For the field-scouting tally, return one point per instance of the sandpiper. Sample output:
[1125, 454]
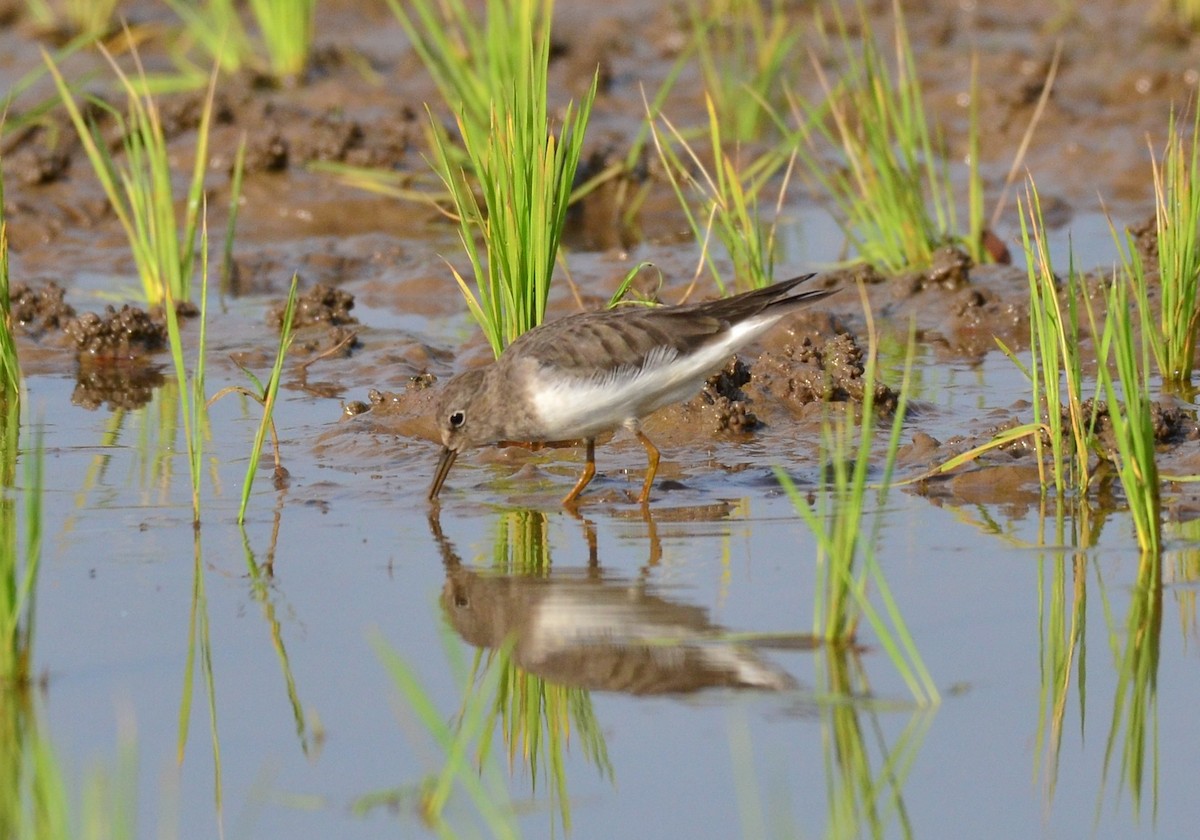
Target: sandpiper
[587, 374]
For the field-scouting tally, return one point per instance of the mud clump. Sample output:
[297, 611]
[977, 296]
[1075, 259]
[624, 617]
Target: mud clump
[323, 319]
[1171, 424]
[126, 385]
[723, 392]
[123, 333]
[282, 136]
[820, 371]
[1145, 243]
[320, 305]
[850, 276]
[977, 316]
[408, 413]
[40, 310]
[34, 166]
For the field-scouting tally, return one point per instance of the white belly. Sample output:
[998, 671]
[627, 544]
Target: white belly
[574, 407]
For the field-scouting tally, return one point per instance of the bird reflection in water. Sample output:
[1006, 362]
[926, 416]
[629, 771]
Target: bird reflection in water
[593, 630]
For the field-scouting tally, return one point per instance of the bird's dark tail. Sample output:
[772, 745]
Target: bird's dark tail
[776, 296]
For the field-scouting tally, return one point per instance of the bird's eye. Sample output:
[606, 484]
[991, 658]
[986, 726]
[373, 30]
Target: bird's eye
[457, 419]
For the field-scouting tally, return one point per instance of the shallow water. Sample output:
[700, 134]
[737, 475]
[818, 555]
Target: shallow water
[352, 564]
[301, 731]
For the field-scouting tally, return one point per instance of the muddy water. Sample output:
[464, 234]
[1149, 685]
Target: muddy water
[678, 640]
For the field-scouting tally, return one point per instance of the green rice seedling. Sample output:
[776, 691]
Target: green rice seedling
[846, 561]
[217, 29]
[1177, 224]
[89, 19]
[1055, 362]
[468, 59]
[625, 287]
[866, 761]
[1134, 726]
[10, 363]
[536, 717]
[33, 802]
[21, 115]
[521, 168]
[894, 197]
[1130, 411]
[200, 649]
[744, 49]
[1186, 12]
[484, 783]
[864, 775]
[18, 569]
[139, 189]
[262, 590]
[235, 202]
[1062, 643]
[285, 30]
[729, 195]
[386, 182]
[265, 395]
[1055, 370]
[1185, 565]
[191, 392]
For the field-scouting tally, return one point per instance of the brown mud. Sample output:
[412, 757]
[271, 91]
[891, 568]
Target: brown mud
[1122, 70]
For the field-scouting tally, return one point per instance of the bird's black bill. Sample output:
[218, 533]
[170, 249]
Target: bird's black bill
[445, 462]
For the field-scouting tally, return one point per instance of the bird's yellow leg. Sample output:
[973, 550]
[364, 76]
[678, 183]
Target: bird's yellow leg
[589, 470]
[651, 467]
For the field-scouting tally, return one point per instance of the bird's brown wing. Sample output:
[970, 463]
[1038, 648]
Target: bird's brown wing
[594, 344]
